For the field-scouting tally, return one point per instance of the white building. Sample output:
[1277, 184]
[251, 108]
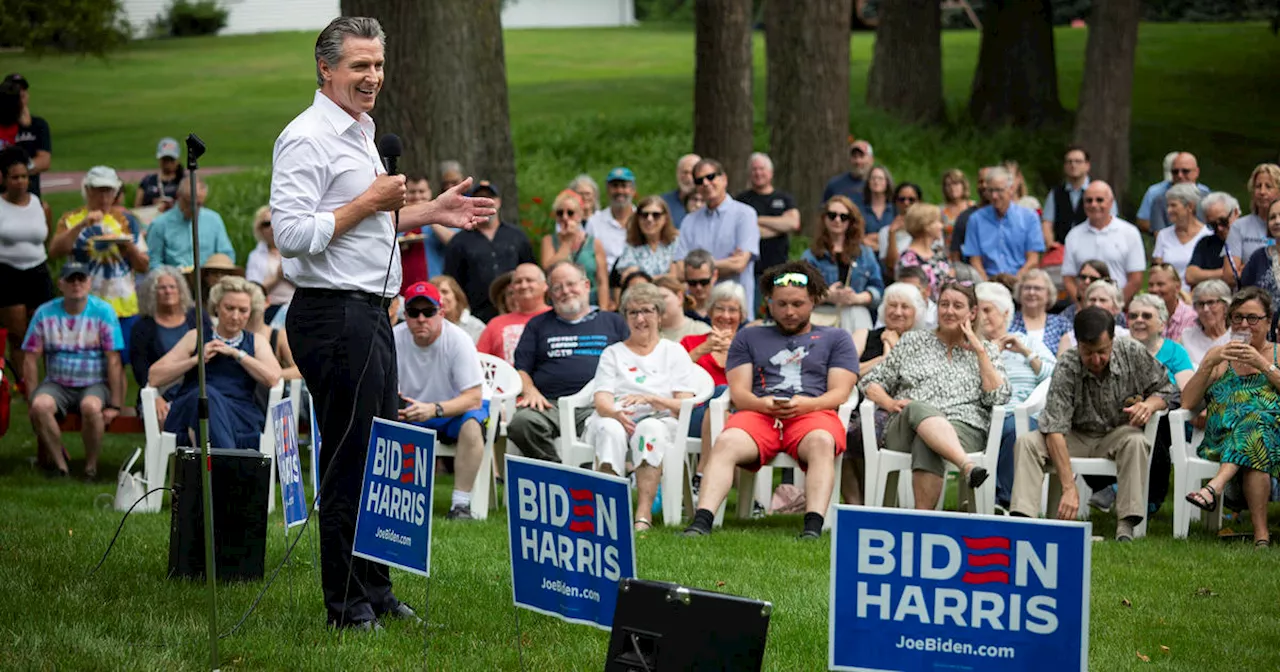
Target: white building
[264, 16]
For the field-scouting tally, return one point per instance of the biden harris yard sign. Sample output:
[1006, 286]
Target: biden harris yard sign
[288, 465]
[927, 590]
[571, 540]
[393, 525]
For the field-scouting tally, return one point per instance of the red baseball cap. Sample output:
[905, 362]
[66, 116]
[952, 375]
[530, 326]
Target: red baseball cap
[422, 290]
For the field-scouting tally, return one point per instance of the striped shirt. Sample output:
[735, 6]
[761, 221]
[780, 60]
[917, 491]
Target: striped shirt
[74, 346]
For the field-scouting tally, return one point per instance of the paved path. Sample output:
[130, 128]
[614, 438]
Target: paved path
[55, 182]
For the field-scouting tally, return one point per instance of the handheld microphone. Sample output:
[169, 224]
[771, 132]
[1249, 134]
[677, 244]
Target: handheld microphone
[390, 148]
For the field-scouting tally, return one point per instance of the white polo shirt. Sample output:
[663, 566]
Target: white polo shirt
[611, 233]
[1119, 244]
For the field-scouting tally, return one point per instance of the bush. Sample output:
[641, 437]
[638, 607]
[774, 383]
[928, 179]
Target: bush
[75, 26]
[185, 18]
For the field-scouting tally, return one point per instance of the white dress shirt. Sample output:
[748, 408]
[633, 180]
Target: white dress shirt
[323, 160]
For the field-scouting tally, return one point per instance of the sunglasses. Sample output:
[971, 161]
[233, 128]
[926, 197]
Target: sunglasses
[1095, 200]
[842, 216]
[908, 200]
[265, 224]
[705, 178]
[1088, 279]
[428, 312]
[698, 283]
[1220, 223]
[1134, 315]
[566, 213]
[650, 214]
[791, 280]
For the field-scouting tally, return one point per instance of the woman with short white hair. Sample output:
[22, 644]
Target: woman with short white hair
[1210, 300]
[1105, 295]
[638, 386]
[1174, 244]
[1027, 363]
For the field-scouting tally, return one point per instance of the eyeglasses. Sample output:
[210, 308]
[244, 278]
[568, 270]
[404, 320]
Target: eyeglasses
[842, 216]
[706, 178]
[702, 282]
[1180, 171]
[427, 312]
[566, 213]
[791, 280]
[726, 309]
[1135, 315]
[1036, 289]
[1074, 161]
[1251, 319]
[647, 312]
[651, 214]
[1207, 304]
[564, 287]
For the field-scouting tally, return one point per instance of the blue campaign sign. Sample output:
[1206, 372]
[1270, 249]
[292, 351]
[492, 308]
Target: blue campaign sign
[393, 525]
[571, 540]
[315, 455]
[288, 465]
[931, 590]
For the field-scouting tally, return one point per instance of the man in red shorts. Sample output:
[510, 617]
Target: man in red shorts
[786, 381]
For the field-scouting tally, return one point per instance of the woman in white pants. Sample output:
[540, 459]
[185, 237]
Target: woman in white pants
[638, 387]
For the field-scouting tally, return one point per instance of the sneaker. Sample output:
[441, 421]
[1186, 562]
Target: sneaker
[695, 531]
[459, 512]
[1124, 529]
[758, 511]
[809, 535]
[1103, 499]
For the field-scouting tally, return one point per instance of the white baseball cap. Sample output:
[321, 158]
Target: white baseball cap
[101, 176]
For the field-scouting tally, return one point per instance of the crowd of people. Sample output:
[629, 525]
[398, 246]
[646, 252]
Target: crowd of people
[934, 312]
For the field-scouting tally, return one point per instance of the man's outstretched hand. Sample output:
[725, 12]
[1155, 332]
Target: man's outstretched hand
[455, 209]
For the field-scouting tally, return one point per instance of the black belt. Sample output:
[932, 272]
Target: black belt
[342, 295]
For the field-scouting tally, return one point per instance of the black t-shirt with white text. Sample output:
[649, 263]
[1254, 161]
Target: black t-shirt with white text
[35, 138]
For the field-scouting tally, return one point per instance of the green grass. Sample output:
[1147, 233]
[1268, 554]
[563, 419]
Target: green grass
[586, 100]
[583, 101]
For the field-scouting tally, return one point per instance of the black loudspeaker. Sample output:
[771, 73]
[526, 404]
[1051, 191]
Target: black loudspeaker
[241, 482]
[665, 627]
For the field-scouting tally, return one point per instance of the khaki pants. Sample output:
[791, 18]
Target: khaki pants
[1126, 446]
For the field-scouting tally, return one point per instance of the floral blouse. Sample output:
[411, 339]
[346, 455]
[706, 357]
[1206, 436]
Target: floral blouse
[654, 262]
[918, 369]
[935, 267]
[1054, 327]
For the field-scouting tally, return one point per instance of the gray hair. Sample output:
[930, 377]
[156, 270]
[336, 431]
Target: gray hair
[1117, 296]
[729, 291]
[1211, 290]
[147, 292]
[578, 267]
[699, 258]
[999, 173]
[1151, 301]
[234, 284]
[1188, 194]
[329, 45]
[1042, 276]
[1227, 201]
[1168, 164]
[643, 294]
[450, 166]
[761, 156]
[587, 180]
[998, 294]
[902, 290]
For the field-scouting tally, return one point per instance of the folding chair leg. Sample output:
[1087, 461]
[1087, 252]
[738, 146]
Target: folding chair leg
[747, 488]
[673, 484]
[480, 488]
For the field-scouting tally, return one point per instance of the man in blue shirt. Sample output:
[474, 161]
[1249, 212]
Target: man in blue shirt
[169, 236]
[1003, 237]
[852, 183]
[724, 227]
[684, 186]
[557, 355]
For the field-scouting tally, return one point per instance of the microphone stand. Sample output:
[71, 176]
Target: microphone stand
[195, 149]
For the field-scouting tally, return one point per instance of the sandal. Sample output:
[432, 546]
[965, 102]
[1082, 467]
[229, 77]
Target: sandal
[647, 525]
[976, 476]
[1261, 543]
[1199, 501]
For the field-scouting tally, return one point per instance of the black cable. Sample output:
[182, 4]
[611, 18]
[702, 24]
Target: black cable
[324, 479]
[121, 527]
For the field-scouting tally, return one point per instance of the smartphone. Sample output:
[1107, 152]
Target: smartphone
[404, 403]
[779, 397]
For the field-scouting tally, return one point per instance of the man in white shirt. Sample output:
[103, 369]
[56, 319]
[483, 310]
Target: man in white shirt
[1108, 238]
[442, 385]
[331, 203]
[609, 225]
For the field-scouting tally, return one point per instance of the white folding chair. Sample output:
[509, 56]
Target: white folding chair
[161, 444]
[754, 486]
[502, 384]
[573, 451]
[1189, 473]
[673, 462]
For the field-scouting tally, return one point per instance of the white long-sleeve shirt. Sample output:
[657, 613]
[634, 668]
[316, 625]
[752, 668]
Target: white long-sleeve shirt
[323, 160]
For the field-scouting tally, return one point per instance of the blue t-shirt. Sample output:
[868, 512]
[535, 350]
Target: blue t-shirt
[561, 357]
[1174, 357]
[845, 184]
[74, 346]
[791, 364]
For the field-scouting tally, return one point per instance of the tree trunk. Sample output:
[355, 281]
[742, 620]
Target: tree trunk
[906, 71]
[723, 111]
[1106, 94]
[807, 45]
[1017, 79]
[445, 92]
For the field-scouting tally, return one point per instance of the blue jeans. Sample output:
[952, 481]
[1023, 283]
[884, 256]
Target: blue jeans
[700, 412]
[1004, 471]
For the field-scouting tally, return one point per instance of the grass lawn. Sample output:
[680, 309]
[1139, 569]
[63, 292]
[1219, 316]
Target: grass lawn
[586, 100]
[582, 101]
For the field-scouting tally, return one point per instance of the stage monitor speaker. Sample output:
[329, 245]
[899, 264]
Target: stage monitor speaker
[240, 486]
[665, 627]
